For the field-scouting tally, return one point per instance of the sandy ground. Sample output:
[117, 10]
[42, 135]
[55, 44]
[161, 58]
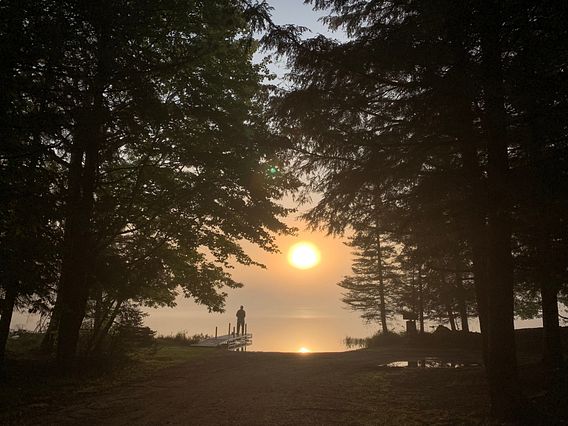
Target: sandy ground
[248, 388]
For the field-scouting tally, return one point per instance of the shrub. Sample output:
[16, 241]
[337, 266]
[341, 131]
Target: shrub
[181, 337]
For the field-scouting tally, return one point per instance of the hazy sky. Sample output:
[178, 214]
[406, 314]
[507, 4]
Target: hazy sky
[298, 13]
[287, 308]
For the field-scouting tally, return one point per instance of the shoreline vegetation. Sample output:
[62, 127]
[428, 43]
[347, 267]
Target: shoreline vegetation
[527, 340]
[34, 388]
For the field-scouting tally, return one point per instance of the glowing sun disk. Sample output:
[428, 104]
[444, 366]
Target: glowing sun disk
[304, 255]
[303, 350]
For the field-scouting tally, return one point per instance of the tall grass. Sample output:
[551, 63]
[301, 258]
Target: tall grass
[356, 342]
[183, 338]
[446, 340]
[377, 340]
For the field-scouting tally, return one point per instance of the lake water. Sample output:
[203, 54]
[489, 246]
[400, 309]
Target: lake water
[307, 327]
[315, 331]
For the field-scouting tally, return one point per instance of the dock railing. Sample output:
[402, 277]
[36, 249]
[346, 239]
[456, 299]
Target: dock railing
[239, 341]
[232, 340]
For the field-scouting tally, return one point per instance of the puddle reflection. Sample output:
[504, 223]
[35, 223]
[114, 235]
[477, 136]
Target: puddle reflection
[430, 363]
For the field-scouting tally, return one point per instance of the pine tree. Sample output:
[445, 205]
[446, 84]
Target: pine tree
[371, 287]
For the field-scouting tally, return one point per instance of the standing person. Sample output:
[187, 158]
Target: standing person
[241, 314]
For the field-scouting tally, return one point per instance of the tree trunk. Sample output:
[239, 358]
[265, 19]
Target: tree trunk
[502, 360]
[418, 305]
[103, 331]
[74, 301]
[451, 318]
[420, 301]
[7, 309]
[461, 297]
[78, 244]
[481, 286]
[552, 347]
[102, 310]
[553, 355]
[72, 289]
[540, 214]
[99, 310]
[462, 305]
[382, 303]
[464, 130]
[49, 338]
[78, 258]
[77, 263]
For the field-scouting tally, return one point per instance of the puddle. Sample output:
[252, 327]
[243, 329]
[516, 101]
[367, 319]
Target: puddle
[430, 363]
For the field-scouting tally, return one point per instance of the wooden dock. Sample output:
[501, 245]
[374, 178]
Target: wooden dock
[230, 341]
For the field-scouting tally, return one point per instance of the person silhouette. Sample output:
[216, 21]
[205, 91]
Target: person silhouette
[241, 314]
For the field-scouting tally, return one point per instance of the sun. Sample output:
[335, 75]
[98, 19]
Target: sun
[303, 350]
[303, 255]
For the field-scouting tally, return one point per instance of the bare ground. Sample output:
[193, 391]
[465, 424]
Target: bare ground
[249, 388]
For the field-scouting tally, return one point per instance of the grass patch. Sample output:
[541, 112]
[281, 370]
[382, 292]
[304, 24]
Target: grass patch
[181, 337]
[32, 382]
[165, 353]
[23, 343]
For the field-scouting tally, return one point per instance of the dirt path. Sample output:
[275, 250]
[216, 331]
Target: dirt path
[275, 388]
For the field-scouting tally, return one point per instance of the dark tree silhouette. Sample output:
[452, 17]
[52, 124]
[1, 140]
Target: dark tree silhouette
[371, 287]
[161, 137]
[30, 184]
[436, 103]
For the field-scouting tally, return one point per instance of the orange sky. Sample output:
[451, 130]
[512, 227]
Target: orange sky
[287, 308]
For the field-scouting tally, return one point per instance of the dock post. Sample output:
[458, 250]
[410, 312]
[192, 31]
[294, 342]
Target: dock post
[229, 333]
[215, 332]
[246, 328]
[233, 331]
